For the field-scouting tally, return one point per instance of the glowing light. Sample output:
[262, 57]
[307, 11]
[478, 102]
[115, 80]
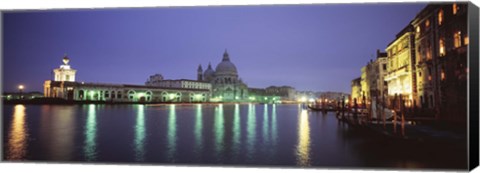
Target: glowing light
[140, 95]
[303, 99]
[236, 97]
[21, 87]
[171, 96]
[311, 100]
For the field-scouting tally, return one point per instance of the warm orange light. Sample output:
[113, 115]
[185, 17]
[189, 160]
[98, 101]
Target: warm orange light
[455, 8]
[20, 87]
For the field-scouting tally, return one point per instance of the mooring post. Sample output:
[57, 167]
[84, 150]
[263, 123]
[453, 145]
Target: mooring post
[383, 111]
[402, 109]
[395, 114]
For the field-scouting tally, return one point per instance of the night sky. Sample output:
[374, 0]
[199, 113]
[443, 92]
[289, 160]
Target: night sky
[309, 47]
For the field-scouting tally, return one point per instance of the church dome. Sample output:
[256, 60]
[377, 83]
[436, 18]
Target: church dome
[209, 73]
[226, 67]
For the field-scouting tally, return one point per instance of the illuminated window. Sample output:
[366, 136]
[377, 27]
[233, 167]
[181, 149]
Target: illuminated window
[440, 17]
[427, 23]
[429, 53]
[455, 8]
[418, 29]
[465, 40]
[457, 39]
[442, 47]
[442, 74]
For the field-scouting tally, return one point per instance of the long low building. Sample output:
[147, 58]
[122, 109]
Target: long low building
[64, 86]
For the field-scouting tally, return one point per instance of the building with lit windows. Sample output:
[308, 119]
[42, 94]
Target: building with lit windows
[400, 78]
[67, 88]
[442, 41]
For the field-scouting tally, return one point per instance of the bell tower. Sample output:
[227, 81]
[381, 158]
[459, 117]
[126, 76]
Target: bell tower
[64, 73]
[200, 73]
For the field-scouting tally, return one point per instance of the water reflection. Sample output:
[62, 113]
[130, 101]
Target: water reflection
[90, 134]
[198, 130]
[303, 146]
[172, 133]
[17, 139]
[251, 130]
[236, 130]
[62, 127]
[140, 134]
[219, 129]
[274, 124]
[265, 125]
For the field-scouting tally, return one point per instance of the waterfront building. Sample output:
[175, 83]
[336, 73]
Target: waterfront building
[442, 39]
[401, 78]
[364, 84]
[226, 84]
[179, 91]
[356, 89]
[374, 73]
[21, 95]
[157, 80]
[381, 69]
[286, 93]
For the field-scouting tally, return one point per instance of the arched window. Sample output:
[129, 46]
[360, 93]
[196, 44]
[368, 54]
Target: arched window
[119, 94]
[113, 94]
[81, 94]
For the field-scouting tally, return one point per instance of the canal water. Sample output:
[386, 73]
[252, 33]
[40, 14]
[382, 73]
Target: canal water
[208, 134]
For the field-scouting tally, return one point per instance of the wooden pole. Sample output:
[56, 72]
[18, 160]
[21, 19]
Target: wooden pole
[383, 111]
[403, 115]
[395, 114]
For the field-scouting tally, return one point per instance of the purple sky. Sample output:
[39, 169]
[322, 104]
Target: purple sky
[309, 47]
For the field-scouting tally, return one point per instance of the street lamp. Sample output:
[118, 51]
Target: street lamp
[20, 89]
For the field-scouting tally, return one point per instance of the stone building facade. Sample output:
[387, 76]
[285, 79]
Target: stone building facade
[400, 76]
[441, 39]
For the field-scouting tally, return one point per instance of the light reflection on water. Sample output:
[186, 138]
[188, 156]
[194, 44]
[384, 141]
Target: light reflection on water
[91, 134]
[17, 140]
[172, 133]
[251, 125]
[200, 133]
[266, 133]
[140, 134]
[219, 131]
[198, 130]
[303, 146]
[236, 131]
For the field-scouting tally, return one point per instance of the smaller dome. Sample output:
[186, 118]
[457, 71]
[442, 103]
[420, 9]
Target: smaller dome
[209, 73]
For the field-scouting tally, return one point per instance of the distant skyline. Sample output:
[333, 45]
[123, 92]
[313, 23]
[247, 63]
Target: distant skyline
[309, 47]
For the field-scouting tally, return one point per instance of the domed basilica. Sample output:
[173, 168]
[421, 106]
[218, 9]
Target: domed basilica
[226, 84]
